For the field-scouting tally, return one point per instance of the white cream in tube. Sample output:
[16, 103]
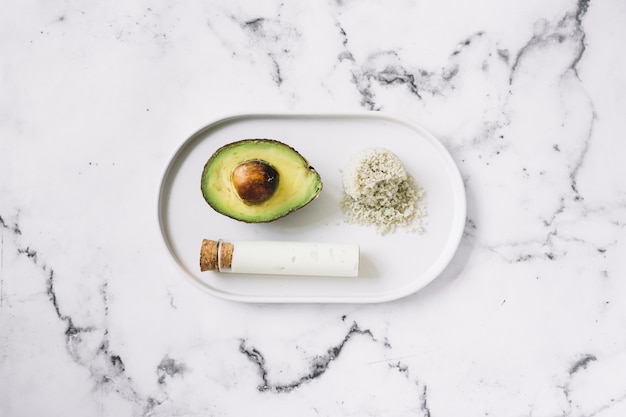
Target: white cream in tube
[282, 258]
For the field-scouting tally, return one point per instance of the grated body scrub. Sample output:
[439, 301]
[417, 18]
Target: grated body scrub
[378, 192]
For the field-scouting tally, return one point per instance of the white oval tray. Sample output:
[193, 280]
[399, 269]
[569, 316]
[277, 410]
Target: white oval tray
[392, 265]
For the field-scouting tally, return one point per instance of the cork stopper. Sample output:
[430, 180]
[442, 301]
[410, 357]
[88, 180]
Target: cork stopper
[216, 255]
[208, 255]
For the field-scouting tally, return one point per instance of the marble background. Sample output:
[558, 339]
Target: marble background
[529, 319]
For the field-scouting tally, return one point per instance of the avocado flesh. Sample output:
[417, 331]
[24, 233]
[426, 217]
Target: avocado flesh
[298, 182]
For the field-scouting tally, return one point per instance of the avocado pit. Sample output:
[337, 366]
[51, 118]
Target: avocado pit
[255, 181]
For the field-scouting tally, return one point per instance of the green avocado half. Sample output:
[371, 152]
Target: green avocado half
[258, 180]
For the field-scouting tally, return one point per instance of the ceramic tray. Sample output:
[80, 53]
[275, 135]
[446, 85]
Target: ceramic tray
[392, 265]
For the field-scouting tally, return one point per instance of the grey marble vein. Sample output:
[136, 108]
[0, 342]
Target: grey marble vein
[273, 37]
[568, 28]
[108, 371]
[422, 389]
[169, 368]
[385, 69]
[317, 367]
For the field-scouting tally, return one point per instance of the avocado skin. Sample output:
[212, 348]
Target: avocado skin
[299, 182]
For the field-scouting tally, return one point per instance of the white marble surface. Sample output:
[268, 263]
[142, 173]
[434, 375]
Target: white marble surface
[528, 320]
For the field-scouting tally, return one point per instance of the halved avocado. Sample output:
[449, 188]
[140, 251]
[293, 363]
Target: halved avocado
[258, 180]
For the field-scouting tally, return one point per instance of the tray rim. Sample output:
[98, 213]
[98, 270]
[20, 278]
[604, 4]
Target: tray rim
[454, 240]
